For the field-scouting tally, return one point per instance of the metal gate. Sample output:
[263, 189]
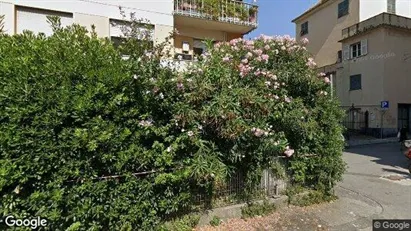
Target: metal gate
[356, 121]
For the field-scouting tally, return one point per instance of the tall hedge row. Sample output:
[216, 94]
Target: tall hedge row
[92, 141]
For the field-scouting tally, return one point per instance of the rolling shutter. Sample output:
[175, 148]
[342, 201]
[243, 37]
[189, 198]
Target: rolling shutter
[35, 20]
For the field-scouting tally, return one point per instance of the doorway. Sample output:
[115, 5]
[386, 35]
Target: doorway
[404, 116]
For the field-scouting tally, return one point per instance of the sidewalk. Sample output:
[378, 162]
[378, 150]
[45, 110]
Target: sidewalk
[360, 140]
[350, 212]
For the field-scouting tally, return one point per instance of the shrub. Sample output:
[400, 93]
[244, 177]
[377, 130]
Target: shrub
[260, 100]
[77, 122]
[216, 221]
[91, 141]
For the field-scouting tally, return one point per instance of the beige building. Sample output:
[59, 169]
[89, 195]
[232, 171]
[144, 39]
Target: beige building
[196, 20]
[368, 57]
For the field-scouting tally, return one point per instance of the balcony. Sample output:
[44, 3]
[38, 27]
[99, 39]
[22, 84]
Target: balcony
[384, 19]
[232, 16]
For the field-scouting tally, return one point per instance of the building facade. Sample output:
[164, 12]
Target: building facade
[196, 20]
[365, 47]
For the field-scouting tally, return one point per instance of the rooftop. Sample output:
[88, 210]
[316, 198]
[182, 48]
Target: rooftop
[383, 19]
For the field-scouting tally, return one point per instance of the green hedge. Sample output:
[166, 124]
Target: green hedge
[77, 122]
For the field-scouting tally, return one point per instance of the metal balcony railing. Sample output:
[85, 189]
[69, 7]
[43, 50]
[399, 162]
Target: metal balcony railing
[384, 19]
[231, 11]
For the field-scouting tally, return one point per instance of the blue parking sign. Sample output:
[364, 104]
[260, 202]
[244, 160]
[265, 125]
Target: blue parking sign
[385, 104]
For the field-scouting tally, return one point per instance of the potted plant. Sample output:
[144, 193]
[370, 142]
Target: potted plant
[253, 13]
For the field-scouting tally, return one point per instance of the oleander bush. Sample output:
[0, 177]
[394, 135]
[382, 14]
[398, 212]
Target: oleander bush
[93, 141]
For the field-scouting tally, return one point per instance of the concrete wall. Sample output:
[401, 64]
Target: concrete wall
[325, 28]
[99, 12]
[397, 71]
[385, 74]
[188, 34]
[158, 12]
[8, 11]
[370, 8]
[101, 23]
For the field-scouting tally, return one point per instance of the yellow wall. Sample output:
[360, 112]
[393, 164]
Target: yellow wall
[188, 34]
[325, 29]
[101, 23]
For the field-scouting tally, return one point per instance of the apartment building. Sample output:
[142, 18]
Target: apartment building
[196, 20]
[365, 47]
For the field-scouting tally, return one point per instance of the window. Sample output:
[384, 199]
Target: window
[199, 47]
[35, 20]
[391, 6]
[355, 50]
[355, 82]
[304, 29]
[343, 8]
[339, 56]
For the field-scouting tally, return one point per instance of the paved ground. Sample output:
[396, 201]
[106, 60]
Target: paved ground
[364, 195]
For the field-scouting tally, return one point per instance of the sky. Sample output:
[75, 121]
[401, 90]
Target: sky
[275, 16]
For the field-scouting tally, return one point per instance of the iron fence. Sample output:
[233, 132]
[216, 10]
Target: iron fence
[356, 121]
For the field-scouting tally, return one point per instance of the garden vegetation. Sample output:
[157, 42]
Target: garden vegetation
[93, 141]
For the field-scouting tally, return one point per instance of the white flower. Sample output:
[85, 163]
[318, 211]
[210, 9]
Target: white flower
[182, 130]
[179, 57]
[190, 133]
[147, 92]
[268, 83]
[200, 127]
[135, 76]
[189, 80]
[152, 80]
[169, 149]
[161, 95]
[230, 87]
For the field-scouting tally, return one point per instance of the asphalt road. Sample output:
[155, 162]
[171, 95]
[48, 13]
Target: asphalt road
[371, 194]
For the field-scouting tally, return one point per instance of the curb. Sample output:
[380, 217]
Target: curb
[234, 211]
[371, 142]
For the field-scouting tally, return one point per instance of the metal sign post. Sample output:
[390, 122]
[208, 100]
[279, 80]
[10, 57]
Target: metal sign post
[384, 107]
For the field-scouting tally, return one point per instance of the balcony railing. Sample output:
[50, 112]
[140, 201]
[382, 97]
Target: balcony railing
[384, 19]
[231, 11]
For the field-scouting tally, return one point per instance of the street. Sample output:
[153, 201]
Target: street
[376, 185]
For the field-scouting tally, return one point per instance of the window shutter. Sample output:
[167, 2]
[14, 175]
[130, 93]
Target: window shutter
[36, 20]
[364, 47]
[346, 52]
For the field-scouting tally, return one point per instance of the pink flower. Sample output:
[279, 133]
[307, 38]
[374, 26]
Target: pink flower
[265, 57]
[267, 47]
[258, 52]
[257, 73]
[305, 41]
[321, 74]
[311, 63]
[327, 80]
[226, 59]
[287, 99]
[289, 152]
[180, 86]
